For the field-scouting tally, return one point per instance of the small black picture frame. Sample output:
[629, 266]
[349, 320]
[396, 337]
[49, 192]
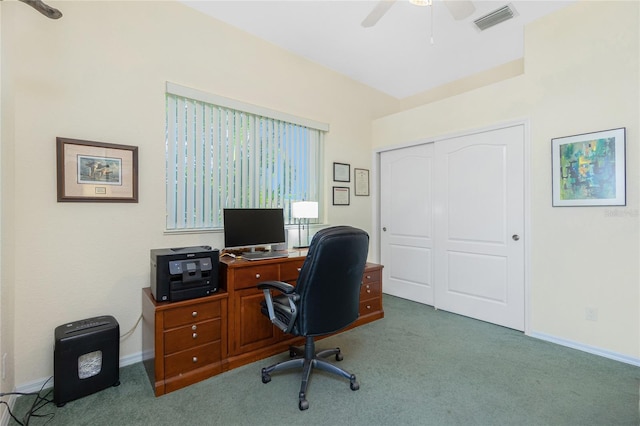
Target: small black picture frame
[341, 172]
[341, 196]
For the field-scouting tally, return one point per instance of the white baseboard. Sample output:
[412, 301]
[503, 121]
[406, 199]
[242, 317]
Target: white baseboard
[586, 348]
[4, 421]
[36, 385]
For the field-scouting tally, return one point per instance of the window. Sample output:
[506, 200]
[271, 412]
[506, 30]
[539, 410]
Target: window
[223, 153]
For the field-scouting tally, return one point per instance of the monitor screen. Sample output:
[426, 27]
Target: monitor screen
[253, 227]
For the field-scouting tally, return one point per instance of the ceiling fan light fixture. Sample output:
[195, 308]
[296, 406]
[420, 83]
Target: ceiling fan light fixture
[421, 2]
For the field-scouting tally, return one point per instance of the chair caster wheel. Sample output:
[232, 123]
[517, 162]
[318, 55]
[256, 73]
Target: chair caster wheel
[354, 386]
[266, 378]
[339, 357]
[303, 404]
[292, 354]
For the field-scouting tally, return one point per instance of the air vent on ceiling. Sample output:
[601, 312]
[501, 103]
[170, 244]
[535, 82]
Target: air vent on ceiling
[494, 18]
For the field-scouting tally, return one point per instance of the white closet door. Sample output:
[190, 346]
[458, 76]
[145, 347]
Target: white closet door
[407, 225]
[452, 218]
[479, 247]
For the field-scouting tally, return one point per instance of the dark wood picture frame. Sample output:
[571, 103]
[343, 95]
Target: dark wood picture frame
[96, 171]
[341, 172]
[341, 196]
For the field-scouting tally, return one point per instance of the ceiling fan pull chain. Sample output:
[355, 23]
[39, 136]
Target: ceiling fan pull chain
[431, 11]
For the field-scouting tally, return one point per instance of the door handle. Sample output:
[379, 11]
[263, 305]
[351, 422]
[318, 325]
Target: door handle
[515, 237]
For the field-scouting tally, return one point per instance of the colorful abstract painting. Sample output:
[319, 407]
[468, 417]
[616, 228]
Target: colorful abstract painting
[589, 169]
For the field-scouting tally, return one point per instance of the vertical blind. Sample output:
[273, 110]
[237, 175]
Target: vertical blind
[221, 157]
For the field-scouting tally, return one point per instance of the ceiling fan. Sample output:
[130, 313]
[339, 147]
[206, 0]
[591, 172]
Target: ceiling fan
[459, 9]
[45, 9]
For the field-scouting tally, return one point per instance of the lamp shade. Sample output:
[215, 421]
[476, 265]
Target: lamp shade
[304, 209]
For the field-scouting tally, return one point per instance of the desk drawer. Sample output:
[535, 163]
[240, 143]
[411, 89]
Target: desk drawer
[370, 290]
[252, 275]
[190, 314]
[289, 271]
[190, 359]
[371, 276]
[192, 335]
[370, 306]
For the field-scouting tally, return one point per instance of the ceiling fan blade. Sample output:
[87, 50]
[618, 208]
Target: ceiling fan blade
[460, 9]
[43, 8]
[377, 13]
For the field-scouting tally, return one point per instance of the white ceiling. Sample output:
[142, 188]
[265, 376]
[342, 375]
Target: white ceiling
[395, 56]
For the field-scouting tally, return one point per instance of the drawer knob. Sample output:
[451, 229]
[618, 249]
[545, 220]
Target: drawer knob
[368, 306]
[257, 276]
[194, 314]
[195, 335]
[299, 269]
[194, 327]
[368, 277]
[368, 286]
[195, 359]
[368, 291]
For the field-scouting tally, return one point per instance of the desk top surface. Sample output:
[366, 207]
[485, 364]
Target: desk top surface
[293, 255]
[238, 262]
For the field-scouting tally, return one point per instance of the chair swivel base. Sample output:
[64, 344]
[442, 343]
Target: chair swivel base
[307, 359]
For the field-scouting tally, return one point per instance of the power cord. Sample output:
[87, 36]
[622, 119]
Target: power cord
[38, 403]
[125, 335]
[41, 401]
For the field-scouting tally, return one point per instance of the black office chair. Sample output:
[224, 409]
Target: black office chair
[325, 300]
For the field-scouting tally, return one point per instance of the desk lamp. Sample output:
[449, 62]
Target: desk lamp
[304, 210]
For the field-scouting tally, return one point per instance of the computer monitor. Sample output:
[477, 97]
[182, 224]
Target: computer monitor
[251, 228]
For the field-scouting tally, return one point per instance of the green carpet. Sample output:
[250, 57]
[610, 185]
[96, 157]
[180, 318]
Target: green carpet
[417, 366]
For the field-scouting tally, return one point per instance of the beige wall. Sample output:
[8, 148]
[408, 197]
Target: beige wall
[7, 233]
[99, 74]
[581, 74]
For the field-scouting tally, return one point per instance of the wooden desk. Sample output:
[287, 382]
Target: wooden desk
[245, 334]
[188, 340]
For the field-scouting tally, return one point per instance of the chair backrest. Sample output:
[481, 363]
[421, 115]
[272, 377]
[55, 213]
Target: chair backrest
[330, 279]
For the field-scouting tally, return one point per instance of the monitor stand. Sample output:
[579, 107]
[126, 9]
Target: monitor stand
[260, 255]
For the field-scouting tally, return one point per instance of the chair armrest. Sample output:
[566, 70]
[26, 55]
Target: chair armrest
[287, 289]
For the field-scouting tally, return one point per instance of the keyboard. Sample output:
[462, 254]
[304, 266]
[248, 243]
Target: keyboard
[261, 255]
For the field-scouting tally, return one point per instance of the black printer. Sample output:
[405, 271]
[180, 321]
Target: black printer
[184, 273]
